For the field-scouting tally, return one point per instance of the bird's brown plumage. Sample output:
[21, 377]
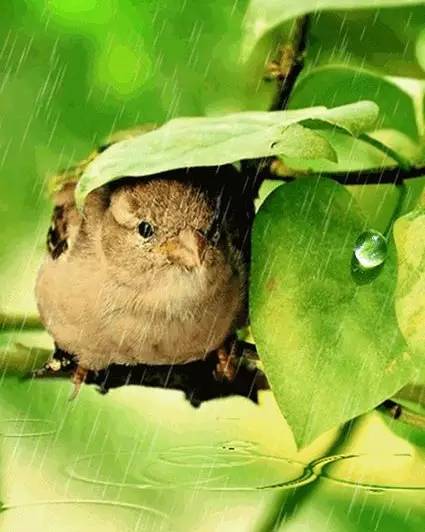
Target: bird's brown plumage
[108, 295]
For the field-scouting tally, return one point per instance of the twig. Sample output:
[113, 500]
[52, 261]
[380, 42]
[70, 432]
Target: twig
[285, 70]
[375, 176]
[402, 414]
[195, 379]
[288, 66]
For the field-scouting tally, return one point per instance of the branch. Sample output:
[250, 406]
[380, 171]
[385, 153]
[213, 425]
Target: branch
[402, 414]
[285, 70]
[290, 63]
[375, 176]
[195, 379]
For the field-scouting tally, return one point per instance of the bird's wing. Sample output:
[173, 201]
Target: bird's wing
[66, 220]
[65, 223]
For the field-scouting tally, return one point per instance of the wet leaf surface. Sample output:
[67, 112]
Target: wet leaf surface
[264, 15]
[331, 347]
[194, 142]
[409, 236]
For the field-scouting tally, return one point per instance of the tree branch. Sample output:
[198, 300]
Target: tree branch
[290, 63]
[286, 70]
[375, 176]
[195, 379]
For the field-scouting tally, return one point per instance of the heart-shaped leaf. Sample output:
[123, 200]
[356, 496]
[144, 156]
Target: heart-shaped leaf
[214, 141]
[331, 346]
[409, 236]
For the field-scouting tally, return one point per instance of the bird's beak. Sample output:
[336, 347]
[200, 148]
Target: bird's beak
[187, 248]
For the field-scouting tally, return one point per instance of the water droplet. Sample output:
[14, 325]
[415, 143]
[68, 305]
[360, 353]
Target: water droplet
[370, 249]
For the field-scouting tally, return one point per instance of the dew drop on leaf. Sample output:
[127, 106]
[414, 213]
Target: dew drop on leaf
[370, 249]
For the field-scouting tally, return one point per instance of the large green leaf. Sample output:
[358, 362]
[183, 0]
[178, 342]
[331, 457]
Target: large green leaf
[409, 235]
[190, 142]
[420, 49]
[338, 85]
[264, 15]
[331, 347]
[382, 40]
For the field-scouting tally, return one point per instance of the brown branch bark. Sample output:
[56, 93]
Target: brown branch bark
[374, 176]
[195, 379]
[288, 66]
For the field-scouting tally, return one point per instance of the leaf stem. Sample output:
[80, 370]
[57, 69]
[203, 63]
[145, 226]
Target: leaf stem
[402, 189]
[403, 163]
[402, 414]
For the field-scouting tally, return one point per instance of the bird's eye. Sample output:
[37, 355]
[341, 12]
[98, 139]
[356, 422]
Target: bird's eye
[145, 230]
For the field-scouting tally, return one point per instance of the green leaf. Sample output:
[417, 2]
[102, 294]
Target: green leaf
[382, 40]
[192, 142]
[420, 49]
[299, 141]
[264, 15]
[23, 351]
[338, 85]
[409, 236]
[356, 154]
[331, 348]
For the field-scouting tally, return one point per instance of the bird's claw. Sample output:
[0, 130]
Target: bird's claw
[78, 378]
[228, 363]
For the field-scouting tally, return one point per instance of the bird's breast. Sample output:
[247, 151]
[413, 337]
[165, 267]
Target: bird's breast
[163, 320]
[175, 319]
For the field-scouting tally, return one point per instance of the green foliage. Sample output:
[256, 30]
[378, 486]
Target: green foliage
[338, 85]
[264, 15]
[323, 338]
[334, 341]
[409, 232]
[187, 142]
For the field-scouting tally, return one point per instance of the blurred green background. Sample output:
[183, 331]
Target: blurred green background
[72, 72]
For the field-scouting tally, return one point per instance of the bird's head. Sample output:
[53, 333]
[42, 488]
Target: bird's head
[159, 225]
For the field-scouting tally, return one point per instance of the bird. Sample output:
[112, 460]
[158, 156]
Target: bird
[154, 270]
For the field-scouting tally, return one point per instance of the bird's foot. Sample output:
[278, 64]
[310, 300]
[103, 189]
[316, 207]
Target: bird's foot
[60, 363]
[78, 378]
[228, 359]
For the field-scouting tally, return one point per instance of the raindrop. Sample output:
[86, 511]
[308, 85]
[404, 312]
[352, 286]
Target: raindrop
[370, 249]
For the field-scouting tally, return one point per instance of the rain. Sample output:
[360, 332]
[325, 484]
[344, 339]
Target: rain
[322, 428]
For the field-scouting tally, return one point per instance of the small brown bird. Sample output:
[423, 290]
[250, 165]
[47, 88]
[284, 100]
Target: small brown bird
[153, 271]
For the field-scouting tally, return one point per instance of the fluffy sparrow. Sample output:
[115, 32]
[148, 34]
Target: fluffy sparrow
[153, 271]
